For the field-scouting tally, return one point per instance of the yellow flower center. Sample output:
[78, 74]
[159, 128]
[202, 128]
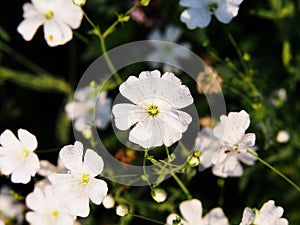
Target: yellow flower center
[25, 153]
[152, 110]
[85, 179]
[55, 214]
[51, 37]
[49, 15]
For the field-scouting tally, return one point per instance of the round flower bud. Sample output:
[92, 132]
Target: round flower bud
[79, 3]
[159, 194]
[193, 160]
[122, 210]
[282, 136]
[108, 202]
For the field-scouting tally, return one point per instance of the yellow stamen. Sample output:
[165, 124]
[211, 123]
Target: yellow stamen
[55, 214]
[85, 179]
[152, 110]
[50, 37]
[49, 15]
[25, 153]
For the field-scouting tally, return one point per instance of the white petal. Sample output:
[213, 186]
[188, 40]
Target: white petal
[34, 218]
[141, 131]
[192, 3]
[225, 12]
[196, 17]
[217, 170]
[27, 140]
[247, 142]
[70, 14]
[269, 213]
[93, 162]
[247, 158]
[127, 115]
[35, 200]
[9, 162]
[71, 155]
[172, 33]
[216, 216]
[97, 190]
[57, 32]
[76, 110]
[9, 140]
[30, 11]
[131, 89]
[248, 217]
[191, 210]
[176, 119]
[28, 27]
[47, 168]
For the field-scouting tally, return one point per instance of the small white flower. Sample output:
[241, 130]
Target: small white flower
[79, 185]
[159, 195]
[234, 144]
[17, 157]
[269, 214]
[87, 109]
[191, 211]
[47, 209]
[199, 12]
[283, 136]
[108, 202]
[122, 210]
[154, 114]
[57, 17]
[171, 35]
[9, 207]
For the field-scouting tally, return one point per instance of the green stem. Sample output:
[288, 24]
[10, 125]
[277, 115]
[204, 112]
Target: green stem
[144, 168]
[21, 59]
[148, 219]
[275, 170]
[182, 186]
[168, 153]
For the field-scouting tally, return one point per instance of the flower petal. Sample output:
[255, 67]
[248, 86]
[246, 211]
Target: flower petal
[57, 33]
[70, 14]
[35, 200]
[216, 216]
[248, 217]
[9, 140]
[93, 162]
[191, 210]
[196, 17]
[225, 12]
[27, 140]
[97, 190]
[247, 142]
[28, 27]
[71, 155]
[268, 213]
[30, 11]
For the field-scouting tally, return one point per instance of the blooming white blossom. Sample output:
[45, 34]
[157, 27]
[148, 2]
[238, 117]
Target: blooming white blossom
[170, 36]
[9, 207]
[191, 211]
[79, 184]
[234, 144]
[199, 12]
[154, 115]
[57, 17]
[88, 108]
[269, 214]
[47, 209]
[283, 136]
[122, 210]
[17, 157]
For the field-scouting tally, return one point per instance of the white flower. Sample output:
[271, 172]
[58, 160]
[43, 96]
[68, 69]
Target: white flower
[269, 214]
[79, 3]
[2, 222]
[122, 210]
[57, 17]
[47, 209]
[283, 136]
[168, 51]
[87, 108]
[234, 144]
[154, 114]
[191, 211]
[79, 185]
[108, 202]
[159, 195]
[199, 12]
[17, 157]
[9, 207]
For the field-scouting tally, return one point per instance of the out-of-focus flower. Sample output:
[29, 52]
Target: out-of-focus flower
[57, 17]
[79, 185]
[88, 108]
[108, 202]
[191, 211]
[139, 16]
[199, 12]
[122, 210]
[269, 214]
[171, 35]
[2, 222]
[283, 136]
[17, 157]
[159, 195]
[234, 144]
[279, 97]
[47, 209]
[154, 114]
[9, 207]
[209, 82]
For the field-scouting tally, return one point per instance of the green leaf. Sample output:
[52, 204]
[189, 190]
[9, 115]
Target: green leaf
[145, 2]
[4, 35]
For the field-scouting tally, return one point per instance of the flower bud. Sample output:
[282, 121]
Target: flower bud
[108, 202]
[283, 136]
[122, 210]
[159, 194]
[79, 3]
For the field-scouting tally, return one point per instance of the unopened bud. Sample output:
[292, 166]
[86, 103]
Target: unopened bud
[159, 195]
[122, 210]
[193, 161]
[108, 202]
[79, 3]
[283, 136]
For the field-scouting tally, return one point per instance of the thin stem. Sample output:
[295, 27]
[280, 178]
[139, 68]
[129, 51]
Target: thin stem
[168, 153]
[275, 170]
[21, 59]
[182, 186]
[148, 219]
[144, 167]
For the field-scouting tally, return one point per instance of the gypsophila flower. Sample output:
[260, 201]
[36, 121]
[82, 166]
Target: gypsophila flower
[17, 157]
[88, 108]
[122, 210]
[282, 136]
[47, 209]
[57, 17]
[269, 214]
[199, 12]
[80, 184]
[168, 52]
[108, 202]
[234, 144]
[159, 195]
[154, 115]
[191, 211]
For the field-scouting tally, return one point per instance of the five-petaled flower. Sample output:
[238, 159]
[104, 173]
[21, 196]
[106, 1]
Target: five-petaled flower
[17, 157]
[79, 184]
[269, 214]
[199, 12]
[57, 17]
[154, 115]
[191, 211]
[47, 209]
